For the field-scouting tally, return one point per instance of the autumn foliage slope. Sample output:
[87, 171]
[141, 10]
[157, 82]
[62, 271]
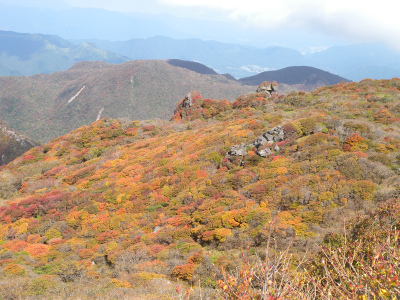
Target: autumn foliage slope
[131, 207]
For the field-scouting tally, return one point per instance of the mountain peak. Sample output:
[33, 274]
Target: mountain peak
[307, 77]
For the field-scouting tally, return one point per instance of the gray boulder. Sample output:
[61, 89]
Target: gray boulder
[260, 141]
[271, 136]
[238, 150]
[187, 102]
[265, 152]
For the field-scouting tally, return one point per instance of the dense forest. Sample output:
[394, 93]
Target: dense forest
[265, 197]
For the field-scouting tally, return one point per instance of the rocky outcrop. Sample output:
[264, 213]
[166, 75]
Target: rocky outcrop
[268, 87]
[274, 135]
[187, 101]
[188, 108]
[12, 144]
[263, 143]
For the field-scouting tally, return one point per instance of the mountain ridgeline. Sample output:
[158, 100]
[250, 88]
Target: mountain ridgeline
[191, 65]
[28, 54]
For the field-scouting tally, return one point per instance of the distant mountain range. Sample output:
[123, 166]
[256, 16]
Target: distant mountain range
[12, 144]
[355, 62]
[237, 60]
[28, 54]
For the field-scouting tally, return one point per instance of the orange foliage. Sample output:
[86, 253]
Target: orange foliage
[384, 116]
[352, 141]
[184, 272]
[14, 245]
[85, 253]
[12, 270]
[37, 249]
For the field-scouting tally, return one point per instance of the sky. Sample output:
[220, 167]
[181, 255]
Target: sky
[343, 21]
[354, 21]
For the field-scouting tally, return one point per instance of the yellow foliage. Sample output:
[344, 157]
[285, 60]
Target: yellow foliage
[143, 278]
[295, 169]
[267, 173]
[241, 133]
[40, 191]
[221, 234]
[382, 149]
[326, 196]
[21, 225]
[281, 171]
[121, 198]
[119, 283]
[13, 270]
[53, 233]
[111, 246]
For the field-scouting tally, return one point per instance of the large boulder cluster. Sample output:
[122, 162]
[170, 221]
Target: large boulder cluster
[263, 143]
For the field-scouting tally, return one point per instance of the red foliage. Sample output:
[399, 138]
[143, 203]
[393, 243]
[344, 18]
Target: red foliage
[149, 128]
[33, 238]
[131, 131]
[105, 236]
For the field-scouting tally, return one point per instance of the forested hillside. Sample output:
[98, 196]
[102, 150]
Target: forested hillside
[187, 208]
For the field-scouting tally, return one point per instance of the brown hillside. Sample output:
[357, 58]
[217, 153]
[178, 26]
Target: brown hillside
[46, 106]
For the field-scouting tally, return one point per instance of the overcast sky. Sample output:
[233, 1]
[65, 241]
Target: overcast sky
[349, 20]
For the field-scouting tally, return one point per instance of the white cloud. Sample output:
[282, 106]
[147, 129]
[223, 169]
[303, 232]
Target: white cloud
[355, 20]
[352, 19]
